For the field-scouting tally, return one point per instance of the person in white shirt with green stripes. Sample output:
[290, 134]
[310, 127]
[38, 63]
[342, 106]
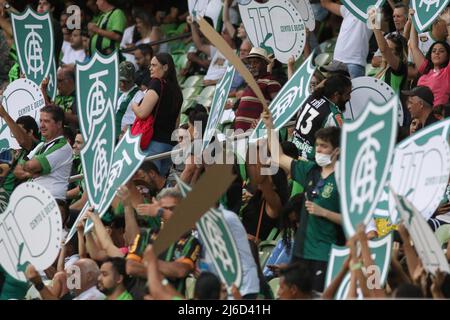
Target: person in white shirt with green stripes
[50, 163]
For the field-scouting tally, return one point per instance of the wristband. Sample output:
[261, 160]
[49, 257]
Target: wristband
[355, 266]
[39, 286]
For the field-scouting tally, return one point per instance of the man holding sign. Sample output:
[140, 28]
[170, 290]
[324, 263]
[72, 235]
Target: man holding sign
[250, 107]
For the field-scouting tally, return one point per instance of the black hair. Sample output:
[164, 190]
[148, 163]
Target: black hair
[69, 135]
[290, 149]
[201, 117]
[172, 82]
[146, 49]
[298, 274]
[148, 166]
[28, 124]
[335, 83]
[330, 134]
[401, 45]
[407, 290]
[428, 56]
[56, 112]
[207, 287]
[119, 265]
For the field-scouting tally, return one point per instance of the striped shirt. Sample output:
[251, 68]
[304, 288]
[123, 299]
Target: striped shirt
[250, 108]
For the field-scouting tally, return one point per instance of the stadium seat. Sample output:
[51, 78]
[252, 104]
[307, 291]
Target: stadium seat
[328, 46]
[193, 81]
[323, 59]
[190, 93]
[265, 249]
[274, 285]
[206, 95]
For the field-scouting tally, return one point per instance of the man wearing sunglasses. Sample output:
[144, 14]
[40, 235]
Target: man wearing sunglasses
[320, 218]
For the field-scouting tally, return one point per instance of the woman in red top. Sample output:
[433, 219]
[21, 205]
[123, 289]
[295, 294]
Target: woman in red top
[433, 68]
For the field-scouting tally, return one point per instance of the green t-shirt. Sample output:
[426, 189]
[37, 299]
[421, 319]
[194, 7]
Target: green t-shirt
[114, 20]
[125, 296]
[315, 235]
[66, 102]
[10, 288]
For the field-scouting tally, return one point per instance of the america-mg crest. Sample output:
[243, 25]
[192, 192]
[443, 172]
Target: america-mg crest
[367, 146]
[33, 36]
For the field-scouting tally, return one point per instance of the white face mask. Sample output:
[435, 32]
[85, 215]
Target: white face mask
[323, 159]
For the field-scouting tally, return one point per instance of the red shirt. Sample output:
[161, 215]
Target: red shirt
[250, 108]
[438, 82]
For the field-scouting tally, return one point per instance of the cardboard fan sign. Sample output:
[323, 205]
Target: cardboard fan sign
[426, 11]
[276, 26]
[425, 242]
[381, 255]
[367, 148]
[30, 230]
[33, 37]
[419, 171]
[219, 242]
[106, 166]
[289, 100]
[359, 8]
[209, 8]
[21, 98]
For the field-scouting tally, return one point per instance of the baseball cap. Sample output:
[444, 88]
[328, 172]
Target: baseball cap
[126, 71]
[422, 92]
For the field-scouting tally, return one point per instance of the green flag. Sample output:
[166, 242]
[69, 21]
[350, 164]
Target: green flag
[289, 100]
[359, 7]
[33, 36]
[367, 146]
[381, 255]
[426, 11]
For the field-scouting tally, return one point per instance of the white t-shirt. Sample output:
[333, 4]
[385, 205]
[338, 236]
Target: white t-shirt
[71, 56]
[129, 116]
[55, 158]
[91, 294]
[250, 280]
[352, 45]
[127, 37]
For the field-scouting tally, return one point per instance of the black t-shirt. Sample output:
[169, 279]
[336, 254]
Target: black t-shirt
[430, 119]
[165, 112]
[250, 214]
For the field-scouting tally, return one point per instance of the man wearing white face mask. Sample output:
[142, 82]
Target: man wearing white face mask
[320, 218]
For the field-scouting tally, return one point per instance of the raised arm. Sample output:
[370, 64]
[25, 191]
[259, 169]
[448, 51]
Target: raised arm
[131, 225]
[24, 140]
[226, 18]
[196, 37]
[387, 53]
[333, 7]
[413, 43]
[103, 237]
[159, 288]
[273, 144]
